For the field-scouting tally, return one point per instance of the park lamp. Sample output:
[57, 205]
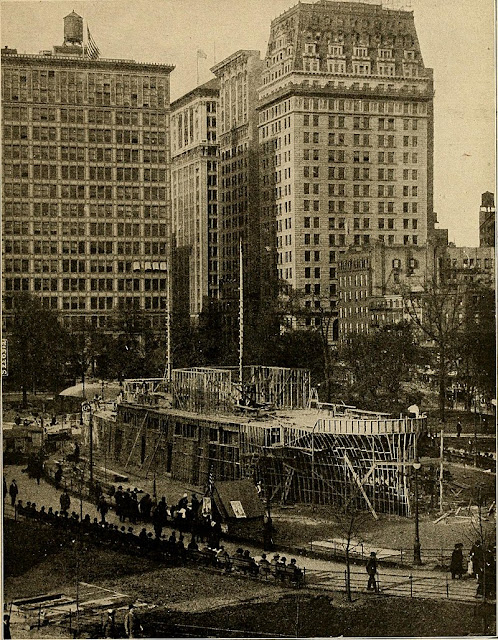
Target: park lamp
[417, 560]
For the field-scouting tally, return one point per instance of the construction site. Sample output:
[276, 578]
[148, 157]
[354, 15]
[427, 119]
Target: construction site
[207, 424]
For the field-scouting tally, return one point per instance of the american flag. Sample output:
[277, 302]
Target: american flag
[210, 482]
[91, 48]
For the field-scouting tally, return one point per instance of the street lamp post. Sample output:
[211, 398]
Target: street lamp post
[416, 545]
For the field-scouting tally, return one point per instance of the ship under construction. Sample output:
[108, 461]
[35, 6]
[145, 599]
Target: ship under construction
[206, 423]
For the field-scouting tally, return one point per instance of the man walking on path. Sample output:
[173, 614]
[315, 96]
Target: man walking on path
[13, 491]
[131, 622]
[372, 572]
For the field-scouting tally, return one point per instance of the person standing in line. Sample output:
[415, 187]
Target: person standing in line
[13, 491]
[372, 572]
[65, 501]
[102, 508]
[459, 429]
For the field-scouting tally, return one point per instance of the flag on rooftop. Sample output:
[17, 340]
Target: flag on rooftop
[201, 54]
[91, 48]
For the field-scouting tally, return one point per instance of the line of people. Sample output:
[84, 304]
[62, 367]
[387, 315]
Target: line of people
[171, 549]
[186, 516]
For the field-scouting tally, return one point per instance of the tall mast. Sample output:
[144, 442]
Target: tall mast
[241, 315]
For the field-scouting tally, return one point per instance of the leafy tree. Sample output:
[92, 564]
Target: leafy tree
[476, 346]
[208, 334]
[315, 313]
[127, 347]
[37, 346]
[379, 363]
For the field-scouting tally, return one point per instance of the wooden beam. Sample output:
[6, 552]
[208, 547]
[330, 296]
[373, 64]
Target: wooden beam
[358, 482]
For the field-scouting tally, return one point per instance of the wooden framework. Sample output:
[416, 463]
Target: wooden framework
[219, 390]
[298, 456]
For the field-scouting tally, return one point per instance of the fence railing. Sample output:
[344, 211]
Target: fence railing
[403, 556]
[407, 585]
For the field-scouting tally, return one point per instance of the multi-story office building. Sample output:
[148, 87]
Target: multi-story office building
[85, 181]
[487, 221]
[346, 140]
[373, 280]
[467, 265]
[194, 197]
[238, 190]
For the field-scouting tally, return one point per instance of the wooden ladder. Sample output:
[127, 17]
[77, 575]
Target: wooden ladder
[288, 482]
[139, 432]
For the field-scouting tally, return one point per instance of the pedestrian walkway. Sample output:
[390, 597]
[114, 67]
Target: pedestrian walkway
[320, 573]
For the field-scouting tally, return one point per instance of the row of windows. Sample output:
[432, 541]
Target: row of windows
[341, 105]
[358, 206]
[81, 192]
[17, 227]
[77, 116]
[79, 134]
[358, 122]
[66, 210]
[78, 154]
[79, 247]
[74, 172]
[340, 139]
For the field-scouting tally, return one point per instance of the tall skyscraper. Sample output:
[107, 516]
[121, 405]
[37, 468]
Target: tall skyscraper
[346, 140]
[194, 198]
[86, 201]
[238, 191]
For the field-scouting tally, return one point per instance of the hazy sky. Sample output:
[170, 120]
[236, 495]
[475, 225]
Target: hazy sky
[456, 37]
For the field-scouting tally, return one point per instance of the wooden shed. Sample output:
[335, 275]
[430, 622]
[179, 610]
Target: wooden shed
[239, 508]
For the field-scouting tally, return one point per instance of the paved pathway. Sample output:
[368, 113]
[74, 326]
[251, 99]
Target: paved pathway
[320, 573]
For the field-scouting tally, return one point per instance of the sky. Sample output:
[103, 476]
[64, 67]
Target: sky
[456, 38]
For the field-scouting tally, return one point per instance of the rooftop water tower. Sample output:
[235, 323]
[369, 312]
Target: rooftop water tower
[73, 29]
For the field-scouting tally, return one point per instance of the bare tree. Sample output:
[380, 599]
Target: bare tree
[437, 311]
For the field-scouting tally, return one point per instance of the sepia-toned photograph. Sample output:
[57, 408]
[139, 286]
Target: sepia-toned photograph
[248, 318]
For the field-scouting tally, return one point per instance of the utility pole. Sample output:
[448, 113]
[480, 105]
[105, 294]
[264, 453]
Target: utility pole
[91, 447]
[441, 471]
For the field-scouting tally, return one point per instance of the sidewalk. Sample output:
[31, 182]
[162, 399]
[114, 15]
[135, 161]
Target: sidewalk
[320, 573]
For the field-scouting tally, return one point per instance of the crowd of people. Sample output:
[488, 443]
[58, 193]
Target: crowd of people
[173, 549]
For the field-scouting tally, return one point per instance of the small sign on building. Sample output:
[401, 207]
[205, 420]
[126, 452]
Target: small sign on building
[5, 357]
[238, 509]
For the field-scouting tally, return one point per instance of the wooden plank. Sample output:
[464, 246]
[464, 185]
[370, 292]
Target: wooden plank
[355, 476]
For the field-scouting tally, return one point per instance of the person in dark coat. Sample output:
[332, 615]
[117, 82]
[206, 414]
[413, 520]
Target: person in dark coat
[118, 498]
[157, 522]
[110, 625]
[372, 572]
[58, 477]
[102, 508]
[456, 564]
[145, 507]
[65, 501]
[6, 627]
[5, 489]
[13, 491]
